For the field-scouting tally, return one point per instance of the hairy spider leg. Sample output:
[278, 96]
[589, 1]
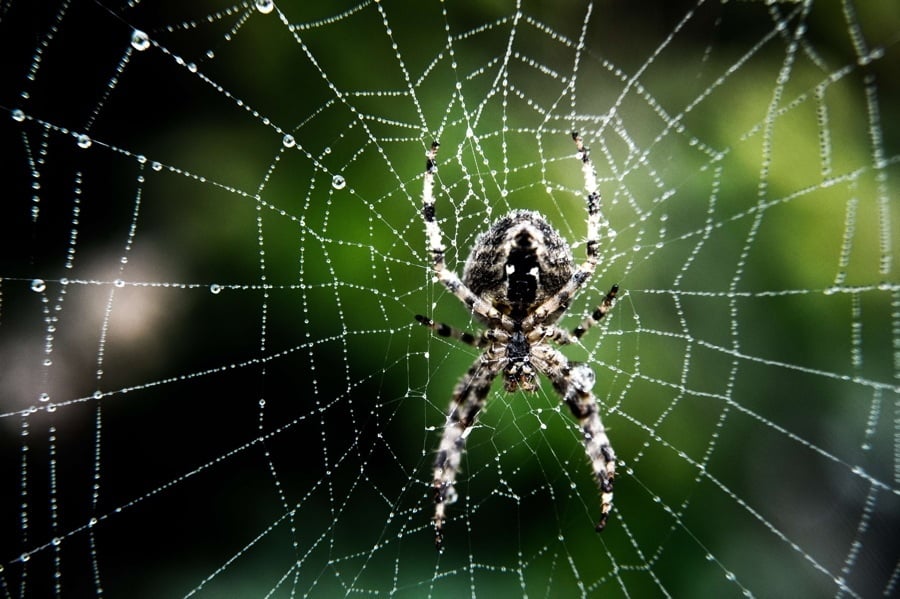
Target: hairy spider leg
[468, 399]
[574, 382]
[442, 329]
[593, 195]
[598, 314]
[447, 277]
[554, 333]
[562, 298]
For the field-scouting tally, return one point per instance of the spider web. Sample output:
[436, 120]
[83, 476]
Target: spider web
[211, 381]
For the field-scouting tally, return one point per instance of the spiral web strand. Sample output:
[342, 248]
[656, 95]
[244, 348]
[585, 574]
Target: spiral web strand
[211, 378]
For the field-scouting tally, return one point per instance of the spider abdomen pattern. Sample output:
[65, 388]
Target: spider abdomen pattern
[518, 263]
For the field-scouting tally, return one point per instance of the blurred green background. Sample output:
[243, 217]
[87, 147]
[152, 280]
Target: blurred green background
[238, 392]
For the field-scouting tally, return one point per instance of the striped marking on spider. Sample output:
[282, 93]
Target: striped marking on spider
[518, 281]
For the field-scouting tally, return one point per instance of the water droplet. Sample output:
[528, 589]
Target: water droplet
[56, 541]
[215, 288]
[262, 403]
[156, 166]
[119, 283]
[24, 557]
[327, 150]
[84, 142]
[289, 141]
[265, 6]
[44, 397]
[139, 40]
[98, 394]
[92, 522]
[192, 67]
[470, 133]
[338, 182]
[18, 115]
[38, 285]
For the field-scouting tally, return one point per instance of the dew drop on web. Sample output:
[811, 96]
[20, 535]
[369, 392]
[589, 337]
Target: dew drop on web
[139, 40]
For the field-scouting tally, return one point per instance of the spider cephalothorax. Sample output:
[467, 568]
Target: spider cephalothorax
[519, 280]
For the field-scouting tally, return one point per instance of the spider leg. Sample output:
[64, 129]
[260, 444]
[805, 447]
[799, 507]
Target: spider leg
[468, 399]
[445, 330]
[574, 382]
[554, 333]
[593, 197]
[598, 314]
[562, 298]
[550, 332]
[447, 277]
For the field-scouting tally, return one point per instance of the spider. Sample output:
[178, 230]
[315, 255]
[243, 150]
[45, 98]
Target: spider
[518, 281]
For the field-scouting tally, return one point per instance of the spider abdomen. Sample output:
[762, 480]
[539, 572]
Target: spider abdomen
[518, 263]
